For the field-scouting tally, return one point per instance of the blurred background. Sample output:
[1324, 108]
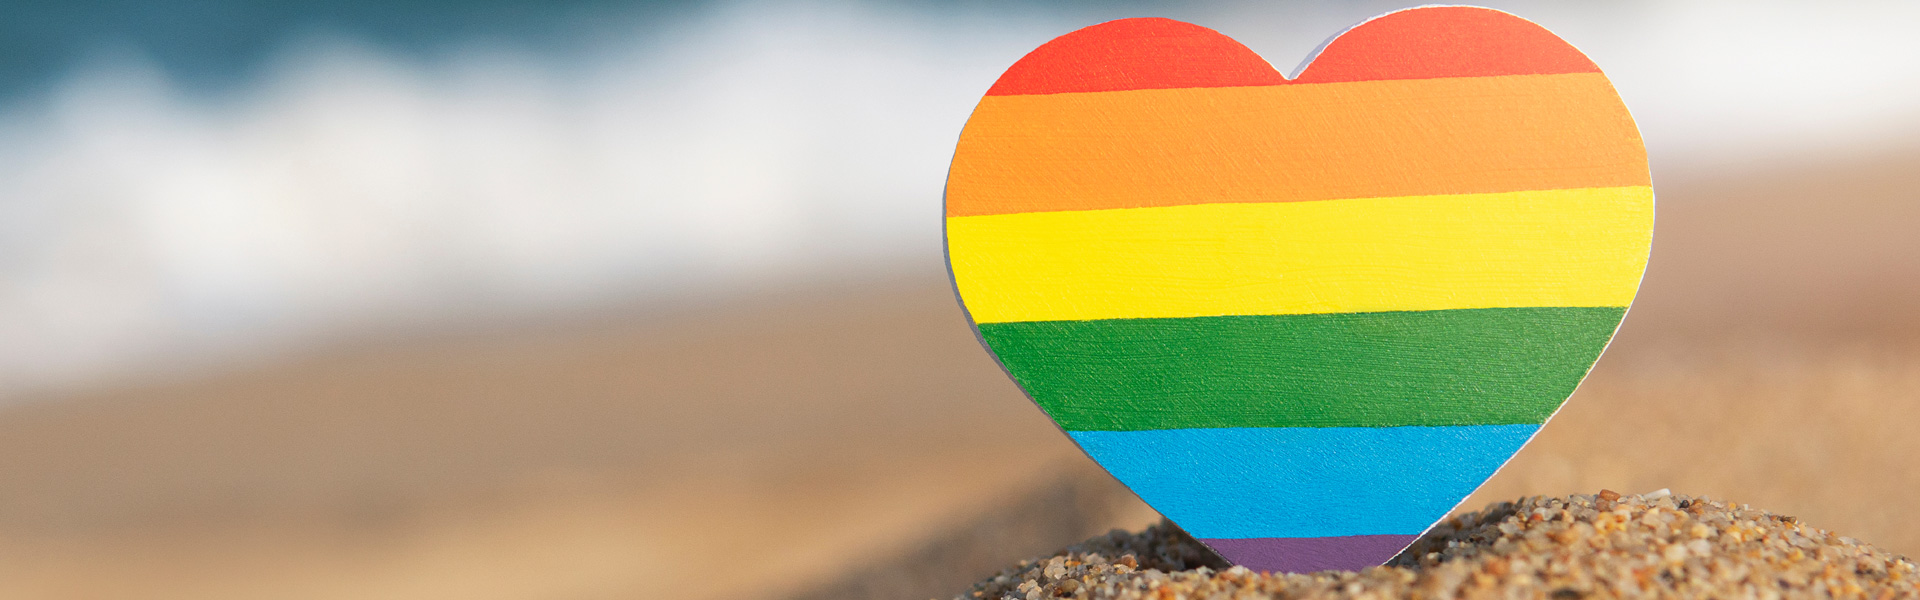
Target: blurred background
[614, 299]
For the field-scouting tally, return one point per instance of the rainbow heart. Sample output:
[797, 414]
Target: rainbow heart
[1302, 318]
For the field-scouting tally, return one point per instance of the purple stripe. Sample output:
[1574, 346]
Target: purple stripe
[1306, 555]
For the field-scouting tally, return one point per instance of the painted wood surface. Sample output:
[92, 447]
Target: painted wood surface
[1304, 317]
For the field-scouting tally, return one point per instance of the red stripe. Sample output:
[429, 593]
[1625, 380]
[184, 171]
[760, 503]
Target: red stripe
[1444, 41]
[1136, 54]
[1419, 43]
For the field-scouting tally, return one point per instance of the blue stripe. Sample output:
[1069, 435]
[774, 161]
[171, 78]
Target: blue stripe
[1284, 482]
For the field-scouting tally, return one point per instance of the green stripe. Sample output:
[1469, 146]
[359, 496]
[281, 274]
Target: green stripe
[1494, 366]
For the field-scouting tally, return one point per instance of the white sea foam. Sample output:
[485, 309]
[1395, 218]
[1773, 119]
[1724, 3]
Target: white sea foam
[353, 188]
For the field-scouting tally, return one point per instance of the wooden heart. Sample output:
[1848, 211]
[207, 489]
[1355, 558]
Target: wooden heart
[1302, 318]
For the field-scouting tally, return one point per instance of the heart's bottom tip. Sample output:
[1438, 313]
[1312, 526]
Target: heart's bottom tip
[1306, 555]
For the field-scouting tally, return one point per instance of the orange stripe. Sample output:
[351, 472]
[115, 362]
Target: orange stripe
[1371, 139]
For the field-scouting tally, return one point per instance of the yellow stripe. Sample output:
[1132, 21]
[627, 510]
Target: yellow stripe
[1580, 247]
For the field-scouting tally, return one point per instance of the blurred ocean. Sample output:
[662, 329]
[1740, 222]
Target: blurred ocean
[188, 185]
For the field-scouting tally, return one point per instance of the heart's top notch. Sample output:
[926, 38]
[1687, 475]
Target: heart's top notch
[1418, 43]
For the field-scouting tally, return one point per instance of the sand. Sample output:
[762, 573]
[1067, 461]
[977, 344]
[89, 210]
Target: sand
[1578, 546]
[602, 459]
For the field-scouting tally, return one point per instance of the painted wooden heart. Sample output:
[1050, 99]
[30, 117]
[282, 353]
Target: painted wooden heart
[1302, 318]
